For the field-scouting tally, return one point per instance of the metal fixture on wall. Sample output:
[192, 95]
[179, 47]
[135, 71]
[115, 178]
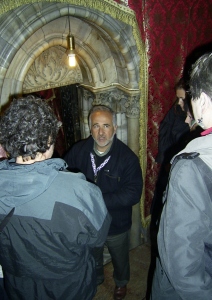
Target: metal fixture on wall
[71, 46]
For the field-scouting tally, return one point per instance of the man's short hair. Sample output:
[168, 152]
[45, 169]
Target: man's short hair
[28, 126]
[201, 76]
[96, 108]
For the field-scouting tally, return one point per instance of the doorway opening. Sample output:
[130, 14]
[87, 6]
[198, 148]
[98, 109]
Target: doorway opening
[64, 102]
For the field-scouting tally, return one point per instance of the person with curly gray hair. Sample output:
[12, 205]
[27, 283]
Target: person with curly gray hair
[50, 219]
[184, 265]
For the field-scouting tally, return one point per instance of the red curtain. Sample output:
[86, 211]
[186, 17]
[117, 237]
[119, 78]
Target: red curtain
[176, 33]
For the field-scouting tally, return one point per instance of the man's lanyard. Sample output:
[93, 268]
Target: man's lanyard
[95, 169]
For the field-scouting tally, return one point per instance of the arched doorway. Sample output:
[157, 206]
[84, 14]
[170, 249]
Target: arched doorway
[111, 61]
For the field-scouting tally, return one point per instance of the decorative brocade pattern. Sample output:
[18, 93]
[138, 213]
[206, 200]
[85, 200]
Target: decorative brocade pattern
[173, 32]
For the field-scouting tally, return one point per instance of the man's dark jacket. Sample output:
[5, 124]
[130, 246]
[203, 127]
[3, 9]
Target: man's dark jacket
[120, 180]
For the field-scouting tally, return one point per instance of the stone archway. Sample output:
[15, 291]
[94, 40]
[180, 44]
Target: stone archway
[111, 58]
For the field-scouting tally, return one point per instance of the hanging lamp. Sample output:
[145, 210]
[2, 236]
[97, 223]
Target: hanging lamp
[71, 46]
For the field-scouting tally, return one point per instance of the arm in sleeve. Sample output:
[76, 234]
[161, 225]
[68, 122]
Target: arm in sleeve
[179, 129]
[165, 131]
[130, 189]
[99, 219]
[70, 158]
[184, 228]
[85, 221]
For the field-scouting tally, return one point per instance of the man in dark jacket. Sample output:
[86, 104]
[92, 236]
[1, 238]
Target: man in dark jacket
[113, 167]
[50, 219]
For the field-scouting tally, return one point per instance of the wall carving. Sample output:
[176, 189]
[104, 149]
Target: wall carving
[119, 101]
[49, 70]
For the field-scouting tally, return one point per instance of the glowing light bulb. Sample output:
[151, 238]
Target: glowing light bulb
[72, 60]
[71, 51]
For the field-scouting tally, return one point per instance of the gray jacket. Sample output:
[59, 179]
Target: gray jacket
[185, 233]
[45, 249]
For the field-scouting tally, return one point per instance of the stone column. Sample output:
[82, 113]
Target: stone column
[133, 133]
[132, 114]
[86, 102]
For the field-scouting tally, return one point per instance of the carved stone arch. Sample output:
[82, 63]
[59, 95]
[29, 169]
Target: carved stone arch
[117, 35]
[27, 34]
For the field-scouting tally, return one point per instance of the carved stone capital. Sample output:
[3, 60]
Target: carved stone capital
[87, 95]
[132, 106]
[114, 98]
[118, 100]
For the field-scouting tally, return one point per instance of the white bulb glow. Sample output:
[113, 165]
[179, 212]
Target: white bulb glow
[72, 60]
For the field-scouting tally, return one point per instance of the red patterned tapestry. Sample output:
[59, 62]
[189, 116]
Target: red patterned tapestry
[176, 33]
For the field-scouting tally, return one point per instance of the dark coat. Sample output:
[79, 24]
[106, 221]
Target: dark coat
[120, 180]
[171, 131]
